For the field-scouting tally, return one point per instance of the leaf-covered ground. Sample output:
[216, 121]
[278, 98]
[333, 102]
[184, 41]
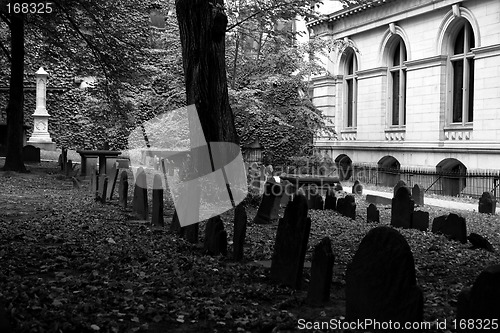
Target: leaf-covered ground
[70, 264]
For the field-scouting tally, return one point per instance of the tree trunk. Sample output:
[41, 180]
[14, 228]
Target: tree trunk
[15, 107]
[202, 26]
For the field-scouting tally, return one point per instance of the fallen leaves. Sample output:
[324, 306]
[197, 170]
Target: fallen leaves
[73, 265]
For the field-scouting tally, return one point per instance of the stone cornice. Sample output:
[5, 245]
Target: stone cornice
[486, 51]
[392, 15]
[439, 60]
[372, 72]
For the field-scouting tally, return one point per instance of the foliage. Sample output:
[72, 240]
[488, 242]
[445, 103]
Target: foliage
[312, 165]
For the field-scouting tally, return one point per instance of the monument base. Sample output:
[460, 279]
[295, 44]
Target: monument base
[43, 145]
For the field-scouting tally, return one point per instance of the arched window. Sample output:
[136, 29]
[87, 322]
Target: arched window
[351, 89]
[397, 81]
[462, 61]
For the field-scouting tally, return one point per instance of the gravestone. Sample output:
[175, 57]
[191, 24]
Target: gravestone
[111, 187]
[402, 208]
[175, 225]
[267, 207]
[190, 233]
[240, 229]
[479, 242]
[94, 181]
[331, 200]
[277, 191]
[380, 280]
[31, 154]
[482, 301]
[341, 205]
[338, 187]
[314, 198]
[453, 226]
[400, 183]
[357, 188]
[417, 194]
[123, 189]
[215, 241]
[103, 189]
[140, 199]
[378, 200]
[487, 203]
[350, 206]
[372, 214]
[68, 167]
[347, 206]
[318, 292]
[157, 210]
[420, 220]
[291, 244]
[287, 193]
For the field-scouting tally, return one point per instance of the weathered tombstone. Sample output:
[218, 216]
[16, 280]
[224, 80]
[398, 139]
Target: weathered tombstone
[240, 229]
[103, 188]
[321, 273]
[400, 183]
[402, 208]
[68, 167]
[331, 200]
[287, 193]
[175, 225]
[357, 188]
[314, 198]
[157, 210]
[221, 240]
[372, 214]
[267, 209]
[140, 200]
[190, 233]
[380, 280]
[215, 241]
[482, 301]
[341, 205]
[123, 189]
[94, 181]
[291, 244]
[453, 226]
[420, 220]
[487, 203]
[479, 242]
[111, 187]
[417, 194]
[31, 154]
[278, 192]
[347, 206]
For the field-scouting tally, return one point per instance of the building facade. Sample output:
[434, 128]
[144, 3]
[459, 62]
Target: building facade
[414, 84]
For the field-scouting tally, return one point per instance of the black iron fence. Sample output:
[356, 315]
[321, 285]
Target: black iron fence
[470, 183]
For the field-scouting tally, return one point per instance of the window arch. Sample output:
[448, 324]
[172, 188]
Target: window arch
[397, 82]
[462, 73]
[351, 88]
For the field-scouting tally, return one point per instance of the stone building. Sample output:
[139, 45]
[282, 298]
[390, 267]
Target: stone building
[414, 84]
